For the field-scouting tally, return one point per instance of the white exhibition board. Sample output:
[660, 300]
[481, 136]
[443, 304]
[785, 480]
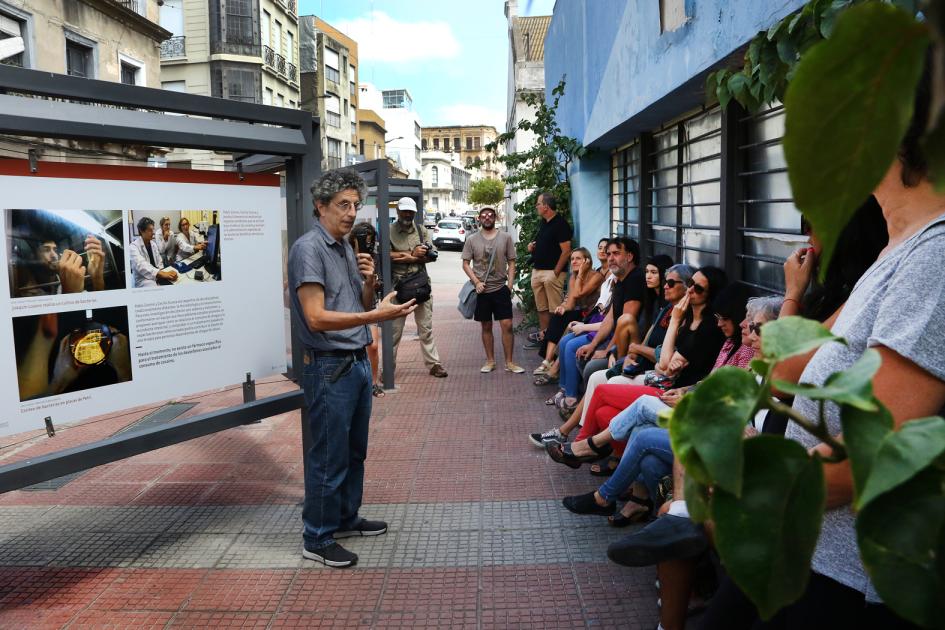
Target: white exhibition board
[111, 345]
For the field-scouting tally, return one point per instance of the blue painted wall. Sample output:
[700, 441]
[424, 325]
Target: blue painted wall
[624, 76]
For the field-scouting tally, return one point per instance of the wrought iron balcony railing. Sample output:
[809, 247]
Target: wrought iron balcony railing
[173, 47]
[234, 48]
[293, 71]
[138, 6]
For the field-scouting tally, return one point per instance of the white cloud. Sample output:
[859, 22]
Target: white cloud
[382, 38]
[465, 114]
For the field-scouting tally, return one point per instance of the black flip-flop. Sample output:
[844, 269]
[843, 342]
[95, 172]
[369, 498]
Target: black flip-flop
[586, 504]
[617, 519]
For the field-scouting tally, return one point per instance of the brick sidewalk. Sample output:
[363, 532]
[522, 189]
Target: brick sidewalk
[207, 533]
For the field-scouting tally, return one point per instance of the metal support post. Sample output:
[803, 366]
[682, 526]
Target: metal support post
[383, 219]
[249, 388]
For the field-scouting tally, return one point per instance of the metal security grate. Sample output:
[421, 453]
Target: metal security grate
[160, 416]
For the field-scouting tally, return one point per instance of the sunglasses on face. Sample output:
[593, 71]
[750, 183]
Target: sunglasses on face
[755, 328]
[669, 282]
[697, 288]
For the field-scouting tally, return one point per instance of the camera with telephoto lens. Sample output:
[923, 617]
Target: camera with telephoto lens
[432, 254]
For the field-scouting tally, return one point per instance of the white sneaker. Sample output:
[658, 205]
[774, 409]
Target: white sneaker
[487, 367]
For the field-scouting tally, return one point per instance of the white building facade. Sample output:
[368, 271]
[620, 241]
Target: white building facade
[445, 184]
[401, 122]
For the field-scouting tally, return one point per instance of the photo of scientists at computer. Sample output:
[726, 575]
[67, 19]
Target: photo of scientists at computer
[54, 252]
[57, 353]
[174, 247]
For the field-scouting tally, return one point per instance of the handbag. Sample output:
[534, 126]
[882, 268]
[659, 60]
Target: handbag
[415, 286]
[468, 296]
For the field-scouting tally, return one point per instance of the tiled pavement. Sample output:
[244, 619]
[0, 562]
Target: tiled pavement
[207, 533]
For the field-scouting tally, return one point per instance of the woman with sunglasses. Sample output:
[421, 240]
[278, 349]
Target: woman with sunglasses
[615, 400]
[688, 351]
[639, 355]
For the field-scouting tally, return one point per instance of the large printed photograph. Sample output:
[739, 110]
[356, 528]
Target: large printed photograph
[174, 247]
[56, 252]
[57, 353]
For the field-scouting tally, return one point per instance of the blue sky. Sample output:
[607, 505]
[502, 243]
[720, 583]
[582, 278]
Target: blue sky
[452, 56]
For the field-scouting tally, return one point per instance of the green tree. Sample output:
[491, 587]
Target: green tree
[542, 168]
[847, 72]
[486, 192]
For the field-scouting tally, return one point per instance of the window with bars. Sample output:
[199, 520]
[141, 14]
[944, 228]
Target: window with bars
[235, 27]
[625, 191]
[768, 222]
[684, 175]
[129, 73]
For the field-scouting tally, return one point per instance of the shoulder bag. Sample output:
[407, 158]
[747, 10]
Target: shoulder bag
[468, 295]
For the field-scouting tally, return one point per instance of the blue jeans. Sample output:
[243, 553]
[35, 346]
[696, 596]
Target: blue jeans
[648, 455]
[642, 413]
[569, 374]
[337, 412]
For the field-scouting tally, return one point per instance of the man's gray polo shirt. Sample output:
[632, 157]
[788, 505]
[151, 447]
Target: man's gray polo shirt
[317, 257]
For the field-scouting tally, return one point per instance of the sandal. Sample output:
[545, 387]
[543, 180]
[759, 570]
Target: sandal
[562, 402]
[378, 391]
[587, 504]
[605, 468]
[553, 400]
[563, 454]
[546, 379]
[619, 520]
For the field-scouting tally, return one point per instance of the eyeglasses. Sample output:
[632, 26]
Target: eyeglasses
[697, 288]
[348, 206]
[669, 282]
[755, 328]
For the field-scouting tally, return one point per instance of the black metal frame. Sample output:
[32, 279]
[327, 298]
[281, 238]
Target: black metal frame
[224, 126]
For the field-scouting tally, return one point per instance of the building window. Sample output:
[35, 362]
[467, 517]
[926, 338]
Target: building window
[398, 99]
[436, 202]
[131, 71]
[477, 142]
[79, 59]
[416, 153]
[423, 144]
[434, 177]
[174, 86]
[333, 156]
[469, 143]
[436, 144]
[289, 47]
[267, 96]
[129, 74]
[361, 146]
[331, 66]
[332, 110]
[235, 81]
[684, 174]
[416, 130]
[767, 219]
[234, 27]
[456, 144]
[625, 191]
[13, 26]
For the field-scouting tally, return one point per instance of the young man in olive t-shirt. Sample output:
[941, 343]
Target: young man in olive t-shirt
[493, 286]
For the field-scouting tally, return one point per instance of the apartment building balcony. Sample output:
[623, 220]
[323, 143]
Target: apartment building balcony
[173, 48]
[138, 6]
[280, 65]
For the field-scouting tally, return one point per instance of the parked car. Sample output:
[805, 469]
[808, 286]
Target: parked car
[430, 219]
[449, 232]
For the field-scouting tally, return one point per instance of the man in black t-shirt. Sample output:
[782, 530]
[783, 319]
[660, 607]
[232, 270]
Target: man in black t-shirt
[550, 252]
[627, 297]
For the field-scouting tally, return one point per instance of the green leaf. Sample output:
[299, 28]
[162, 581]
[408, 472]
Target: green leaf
[787, 50]
[847, 108]
[902, 454]
[706, 431]
[853, 386]
[697, 499]
[863, 432]
[761, 367]
[766, 537]
[901, 536]
[790, 336]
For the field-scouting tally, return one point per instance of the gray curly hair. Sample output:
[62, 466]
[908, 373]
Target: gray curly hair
[333, 182]
[683, 270]
[768, 307]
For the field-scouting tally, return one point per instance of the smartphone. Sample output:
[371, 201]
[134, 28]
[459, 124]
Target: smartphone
[364, 242]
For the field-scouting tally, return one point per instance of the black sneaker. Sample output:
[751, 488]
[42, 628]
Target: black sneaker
[334, 555]
[551, 435]
[364, 528]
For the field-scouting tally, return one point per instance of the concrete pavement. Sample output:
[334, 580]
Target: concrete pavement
[207, 533]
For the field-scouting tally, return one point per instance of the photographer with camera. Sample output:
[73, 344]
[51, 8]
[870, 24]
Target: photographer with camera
[410, 250]
[332, 301]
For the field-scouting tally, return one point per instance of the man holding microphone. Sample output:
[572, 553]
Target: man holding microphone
[332, 293]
